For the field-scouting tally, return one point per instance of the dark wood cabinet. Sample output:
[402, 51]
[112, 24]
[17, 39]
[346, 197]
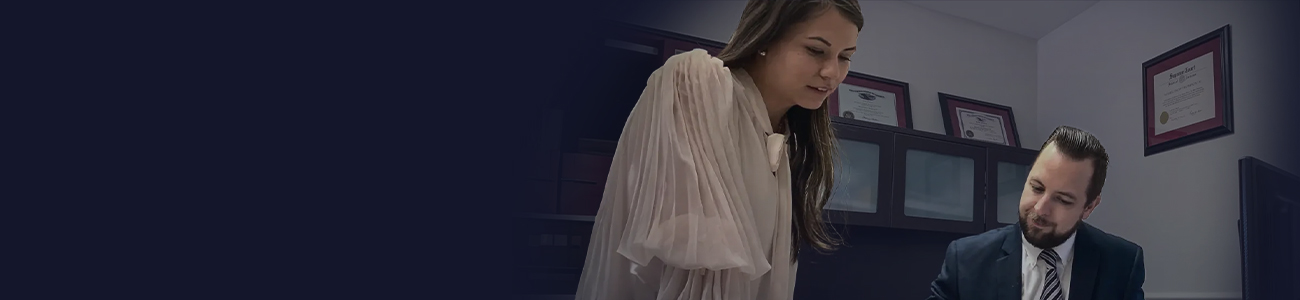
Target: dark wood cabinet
[873, 263]
[548, 255]
[940, 185]
[574, 148]
[862, 188]
[924, 181]
[674, 46]
[1008, 169]
[571, 151]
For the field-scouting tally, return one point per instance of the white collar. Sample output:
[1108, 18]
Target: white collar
[1031, 252]
[755, 101]
[775, 140]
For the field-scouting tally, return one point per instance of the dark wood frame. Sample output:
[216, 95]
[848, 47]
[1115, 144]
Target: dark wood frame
[903, 101]
[946, 105]
[884, 193]
[1203, 130]
[899, 217]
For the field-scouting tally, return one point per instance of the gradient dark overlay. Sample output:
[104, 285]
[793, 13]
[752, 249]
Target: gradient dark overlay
[321, 151]
[289, 151]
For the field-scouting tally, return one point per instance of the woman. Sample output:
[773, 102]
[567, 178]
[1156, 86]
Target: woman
[707, 197]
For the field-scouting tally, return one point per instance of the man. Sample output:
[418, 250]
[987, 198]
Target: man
[1051, 254]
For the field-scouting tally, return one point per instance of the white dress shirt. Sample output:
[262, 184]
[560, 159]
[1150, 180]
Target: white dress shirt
[1033, 272]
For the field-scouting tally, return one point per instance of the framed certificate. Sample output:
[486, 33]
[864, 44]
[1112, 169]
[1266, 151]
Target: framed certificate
[1187, 93]
[873, 99]
[978, 120]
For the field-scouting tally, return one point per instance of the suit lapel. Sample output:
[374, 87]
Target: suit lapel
[1083, 277]
[1007, 267]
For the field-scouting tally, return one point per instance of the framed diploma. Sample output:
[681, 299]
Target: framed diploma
[1187, 93]
[978, 120]
[872, 99]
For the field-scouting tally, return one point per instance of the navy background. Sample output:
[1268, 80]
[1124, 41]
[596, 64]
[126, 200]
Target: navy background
[312, 150]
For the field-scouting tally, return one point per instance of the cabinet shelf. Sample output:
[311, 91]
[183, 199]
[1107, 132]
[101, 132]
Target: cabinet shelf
[558, 217]
[955, 182]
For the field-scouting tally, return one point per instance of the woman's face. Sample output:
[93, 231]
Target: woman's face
[809, 61]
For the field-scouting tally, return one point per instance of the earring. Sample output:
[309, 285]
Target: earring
[762, 53]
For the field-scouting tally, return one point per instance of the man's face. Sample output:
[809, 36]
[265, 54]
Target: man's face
[1053, 202]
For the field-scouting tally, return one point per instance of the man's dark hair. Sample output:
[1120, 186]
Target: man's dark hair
[1080, 145]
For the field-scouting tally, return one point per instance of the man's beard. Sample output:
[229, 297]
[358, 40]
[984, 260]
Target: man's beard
[1048, 239]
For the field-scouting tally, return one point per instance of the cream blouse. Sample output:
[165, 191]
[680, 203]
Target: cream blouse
[697, 202]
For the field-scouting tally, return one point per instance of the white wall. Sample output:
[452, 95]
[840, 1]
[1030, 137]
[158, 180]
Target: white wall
[931, 51]
[1181, 205]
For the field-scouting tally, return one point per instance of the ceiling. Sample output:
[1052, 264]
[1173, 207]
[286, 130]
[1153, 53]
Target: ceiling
[1030, 18]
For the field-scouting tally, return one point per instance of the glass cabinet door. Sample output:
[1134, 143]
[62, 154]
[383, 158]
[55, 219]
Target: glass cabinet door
[1011, 181]
[858, 177]
[860, 186]
[1010, 169]
[941, 185]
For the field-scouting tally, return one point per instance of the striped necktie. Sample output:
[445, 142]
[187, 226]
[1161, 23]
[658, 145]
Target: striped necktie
[1052, 281]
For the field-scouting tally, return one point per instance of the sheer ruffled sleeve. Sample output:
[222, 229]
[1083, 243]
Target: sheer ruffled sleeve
[686, 200]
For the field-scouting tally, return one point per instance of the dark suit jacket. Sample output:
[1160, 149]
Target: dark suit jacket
[987, 266]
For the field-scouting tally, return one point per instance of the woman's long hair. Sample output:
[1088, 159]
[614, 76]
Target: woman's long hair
[813, 154]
